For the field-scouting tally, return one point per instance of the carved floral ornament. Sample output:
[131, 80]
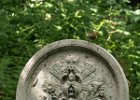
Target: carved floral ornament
[72, 84]
[72, 70]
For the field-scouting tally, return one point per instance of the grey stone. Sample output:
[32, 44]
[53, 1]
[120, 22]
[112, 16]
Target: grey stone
[72, 70]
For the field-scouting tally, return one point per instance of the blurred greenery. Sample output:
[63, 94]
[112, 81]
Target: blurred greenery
[26, 26]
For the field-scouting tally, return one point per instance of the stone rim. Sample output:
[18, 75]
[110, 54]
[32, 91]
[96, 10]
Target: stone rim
[38, 57]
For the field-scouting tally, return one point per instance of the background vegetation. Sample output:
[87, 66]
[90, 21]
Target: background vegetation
[25, 27]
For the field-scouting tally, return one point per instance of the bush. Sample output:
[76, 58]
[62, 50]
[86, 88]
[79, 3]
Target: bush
[28, 26]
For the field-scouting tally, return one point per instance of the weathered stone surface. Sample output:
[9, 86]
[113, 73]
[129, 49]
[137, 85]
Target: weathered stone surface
[72, 70]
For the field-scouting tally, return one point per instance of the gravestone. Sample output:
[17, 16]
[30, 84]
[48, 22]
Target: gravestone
[72, 70]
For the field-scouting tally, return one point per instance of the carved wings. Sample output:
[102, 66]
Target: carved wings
[56, 70]
[88, 68]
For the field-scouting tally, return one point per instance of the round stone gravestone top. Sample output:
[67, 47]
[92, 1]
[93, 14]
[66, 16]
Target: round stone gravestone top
[72, 70]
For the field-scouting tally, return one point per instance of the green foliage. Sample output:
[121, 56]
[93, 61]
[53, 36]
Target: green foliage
[25, 27]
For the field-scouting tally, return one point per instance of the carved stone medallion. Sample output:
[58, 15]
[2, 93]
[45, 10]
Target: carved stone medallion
[72, 70]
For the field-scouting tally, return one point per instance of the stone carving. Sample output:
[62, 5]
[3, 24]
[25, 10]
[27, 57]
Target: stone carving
[72, 84]
[72, 70]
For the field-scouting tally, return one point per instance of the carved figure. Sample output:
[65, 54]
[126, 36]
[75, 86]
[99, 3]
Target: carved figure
[73, 84]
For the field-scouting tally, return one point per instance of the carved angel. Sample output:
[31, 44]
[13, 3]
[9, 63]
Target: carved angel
[73, 84]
